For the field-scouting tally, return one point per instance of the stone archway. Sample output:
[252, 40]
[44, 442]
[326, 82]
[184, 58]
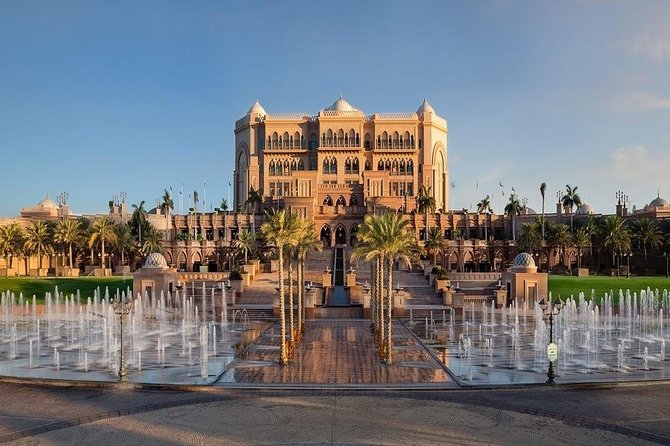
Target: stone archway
[340, 235]
[326, 236]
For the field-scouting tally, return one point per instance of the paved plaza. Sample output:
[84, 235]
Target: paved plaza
[338, 352]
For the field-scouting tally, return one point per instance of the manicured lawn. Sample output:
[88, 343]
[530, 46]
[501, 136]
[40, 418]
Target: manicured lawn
[565, 286]
[30, 286]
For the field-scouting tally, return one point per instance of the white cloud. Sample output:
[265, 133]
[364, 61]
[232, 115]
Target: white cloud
[635, 163]
[637, 101]
[652, 44]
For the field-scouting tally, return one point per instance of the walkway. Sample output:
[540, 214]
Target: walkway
[338, 352]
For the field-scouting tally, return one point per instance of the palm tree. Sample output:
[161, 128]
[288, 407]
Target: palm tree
[68, 232]
[512, 209]
[580, 239]
[559, 238]
[570, 200]
[308, 241]
[529, 237]
[281, 229]
[254, 200]
[224, 205]
[484, 207]
[138, 221]
[614, 236]
[434, 242]
[38, 240]
[102, 231]
[246, 243]
[152, 241]
[399, 245]
[370, 247]
[543, 188]
[125, 243]
[646, 232]
[11, 242]
[167, 205]
[425, 201]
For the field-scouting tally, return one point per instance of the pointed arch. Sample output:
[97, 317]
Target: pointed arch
[328, 201]
[341, 201]
[325, 235]
[340, 235]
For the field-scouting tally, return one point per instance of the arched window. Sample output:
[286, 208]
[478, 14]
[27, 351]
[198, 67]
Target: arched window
[301, 166]
[396, 143]
[368, 166]
[333, 165]
[340, 137]
[287, 168]
[385, 140]
[279, 168]
[326, 165]
[354, 165]
[352, 137]
[329, 137]
[341, 201]
[272, 168]
[387, 165]
[286, 139]
[402, 167]
[296, 140]
[410, 167]
[367, 143]
[394, 168]
[313, 142]
[275, 140]
[406, 138]
[347, 166]
[353, 201]
[327, 201]
[380, 166]
[294, 165]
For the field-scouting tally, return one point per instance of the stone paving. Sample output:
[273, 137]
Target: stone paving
[338, 352]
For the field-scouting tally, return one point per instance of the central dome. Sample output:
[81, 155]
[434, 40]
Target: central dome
[47, 203]
[155, 260]
[524, 260]
[585, 209]
[341, 106]
[658, 202]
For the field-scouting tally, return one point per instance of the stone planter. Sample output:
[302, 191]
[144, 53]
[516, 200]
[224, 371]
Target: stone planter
[246, 278]
[257, 265]
[351, 280]
[326, 279]
[249, 269]
[237, 285]
[581, 272]
[440, 284]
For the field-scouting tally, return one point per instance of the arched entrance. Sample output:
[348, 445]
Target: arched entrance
[340, 235]
[327, 201]
[341, 201]
[352, 235]
[325, 236]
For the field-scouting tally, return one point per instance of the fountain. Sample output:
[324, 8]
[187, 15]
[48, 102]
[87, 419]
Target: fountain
[84, 336]
[600, 339]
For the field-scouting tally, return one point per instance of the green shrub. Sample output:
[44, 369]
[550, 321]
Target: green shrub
[235, 275]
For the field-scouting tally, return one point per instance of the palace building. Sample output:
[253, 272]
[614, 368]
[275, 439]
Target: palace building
[338, 165]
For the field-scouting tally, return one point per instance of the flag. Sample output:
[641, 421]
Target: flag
[229, 183]
[501, 186]
[513, 191]
[453, 186]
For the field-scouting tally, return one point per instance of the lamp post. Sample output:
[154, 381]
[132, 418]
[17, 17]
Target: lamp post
[628, 256]
[122, 308]
[551, 310]
[665, 254]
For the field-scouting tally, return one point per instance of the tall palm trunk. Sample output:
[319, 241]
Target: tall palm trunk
[389, 310]
[290, 297]
[301, 309]
[282, 308]
[373, 303]
[70, 254]
[380, 301]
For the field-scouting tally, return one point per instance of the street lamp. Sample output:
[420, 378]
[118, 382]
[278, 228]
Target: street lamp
[122, 308]
[628, 256]
[551, 310]
[667, 264]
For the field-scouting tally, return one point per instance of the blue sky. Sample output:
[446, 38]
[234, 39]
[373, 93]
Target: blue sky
[102, 97]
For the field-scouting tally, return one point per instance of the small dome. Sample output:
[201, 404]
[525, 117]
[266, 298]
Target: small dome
[524, 260]
[585, 209]
[257, 108]
[658, 202]
[341, 106]
[425, 107]
[529, 211]
[47, 203]
[155, 260]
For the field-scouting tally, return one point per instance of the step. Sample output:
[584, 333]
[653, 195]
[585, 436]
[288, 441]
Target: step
[352, 312]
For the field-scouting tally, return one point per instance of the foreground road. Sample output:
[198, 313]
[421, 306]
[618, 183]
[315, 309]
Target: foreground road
[54, 416]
